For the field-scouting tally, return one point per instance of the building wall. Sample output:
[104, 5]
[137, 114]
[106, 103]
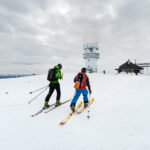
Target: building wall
[91, 65]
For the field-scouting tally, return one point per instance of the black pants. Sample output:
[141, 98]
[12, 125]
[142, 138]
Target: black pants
[52, 87]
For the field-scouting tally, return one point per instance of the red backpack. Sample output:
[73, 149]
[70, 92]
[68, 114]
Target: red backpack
[80, 81]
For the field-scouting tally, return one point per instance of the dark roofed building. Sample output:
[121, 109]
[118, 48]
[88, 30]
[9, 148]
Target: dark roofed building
[129, 67]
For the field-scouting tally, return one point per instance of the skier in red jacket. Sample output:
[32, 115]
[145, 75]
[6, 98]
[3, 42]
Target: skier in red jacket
[81, 82]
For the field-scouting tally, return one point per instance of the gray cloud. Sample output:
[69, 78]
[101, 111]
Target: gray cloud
[36, 34]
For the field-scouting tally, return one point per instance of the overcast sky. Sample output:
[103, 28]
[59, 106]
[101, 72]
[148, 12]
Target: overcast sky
[37, 34]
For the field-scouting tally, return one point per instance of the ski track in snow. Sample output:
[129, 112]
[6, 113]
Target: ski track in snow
[119, 117]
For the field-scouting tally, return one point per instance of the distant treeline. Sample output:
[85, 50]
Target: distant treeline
[14, 76]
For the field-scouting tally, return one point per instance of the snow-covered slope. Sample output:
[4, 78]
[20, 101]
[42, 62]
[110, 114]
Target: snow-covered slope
[119, 117]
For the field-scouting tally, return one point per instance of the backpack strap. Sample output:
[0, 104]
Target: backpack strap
[84, 80]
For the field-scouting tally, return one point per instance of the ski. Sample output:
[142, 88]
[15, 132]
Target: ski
[82, 109]
[70, 115]
[50, 109]
[40, 111]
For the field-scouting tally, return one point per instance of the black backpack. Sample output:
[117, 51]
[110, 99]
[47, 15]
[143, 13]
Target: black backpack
[80, 77]
[51, 74]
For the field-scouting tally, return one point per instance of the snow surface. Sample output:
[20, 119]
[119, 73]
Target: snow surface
[119, 117]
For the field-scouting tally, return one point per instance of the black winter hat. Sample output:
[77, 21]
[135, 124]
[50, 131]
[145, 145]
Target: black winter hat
[60, 66]
[83, 70]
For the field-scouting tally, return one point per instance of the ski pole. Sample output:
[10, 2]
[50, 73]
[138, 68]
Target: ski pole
[37, 96]
[38, 89]
[88, 111]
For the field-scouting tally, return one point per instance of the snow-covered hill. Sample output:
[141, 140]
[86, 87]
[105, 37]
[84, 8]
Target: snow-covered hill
[119, 117]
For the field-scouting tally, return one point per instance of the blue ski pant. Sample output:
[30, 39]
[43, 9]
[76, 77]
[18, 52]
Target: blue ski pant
[78, 93]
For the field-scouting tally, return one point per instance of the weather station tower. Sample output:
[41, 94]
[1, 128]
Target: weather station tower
[91, 54]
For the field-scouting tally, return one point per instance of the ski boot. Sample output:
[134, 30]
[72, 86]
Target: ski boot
[57, 103]
[72, 106]
[46, 105]
[86, 104]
